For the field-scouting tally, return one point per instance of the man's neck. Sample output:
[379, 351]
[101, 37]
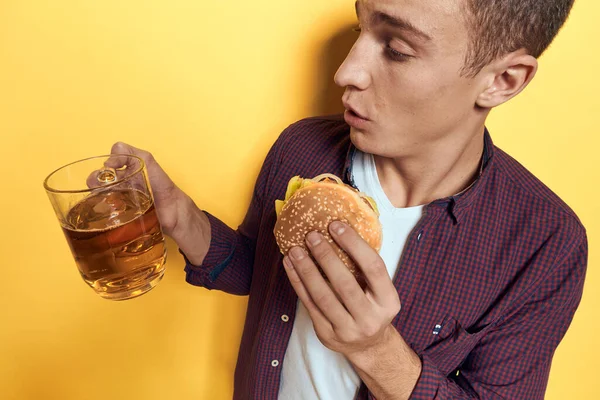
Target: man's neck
[441, 170]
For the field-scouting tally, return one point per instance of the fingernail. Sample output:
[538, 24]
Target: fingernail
[337, 227]
[314, 238]
[296, 253]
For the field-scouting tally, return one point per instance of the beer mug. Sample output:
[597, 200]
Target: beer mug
[106, 209]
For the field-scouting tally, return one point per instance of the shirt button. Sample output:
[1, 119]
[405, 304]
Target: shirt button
[274, 363]
[285, 318]
[419, 236]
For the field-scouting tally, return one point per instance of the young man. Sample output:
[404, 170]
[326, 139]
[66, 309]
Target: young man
[482, 266]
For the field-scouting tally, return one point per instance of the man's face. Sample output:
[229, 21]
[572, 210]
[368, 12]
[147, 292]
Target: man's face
[403, 76]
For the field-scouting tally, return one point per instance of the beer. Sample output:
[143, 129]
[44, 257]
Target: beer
[117, 242]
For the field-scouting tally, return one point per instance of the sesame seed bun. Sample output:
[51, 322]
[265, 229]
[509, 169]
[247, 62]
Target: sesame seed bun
[312, 204]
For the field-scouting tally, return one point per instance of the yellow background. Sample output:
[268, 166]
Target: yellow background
[207, 86]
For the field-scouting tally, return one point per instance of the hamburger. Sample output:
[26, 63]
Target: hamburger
[312, 204]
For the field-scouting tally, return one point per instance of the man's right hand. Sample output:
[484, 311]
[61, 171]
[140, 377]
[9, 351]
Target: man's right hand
[166, 194]
[179, 217]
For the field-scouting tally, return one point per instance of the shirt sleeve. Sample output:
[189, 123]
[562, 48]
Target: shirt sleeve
[228, 265]
[512, 361]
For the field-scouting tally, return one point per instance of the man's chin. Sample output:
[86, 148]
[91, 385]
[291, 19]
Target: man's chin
[355, 132]
[360, 138]
[368, 141]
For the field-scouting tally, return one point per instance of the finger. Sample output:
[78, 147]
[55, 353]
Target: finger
[315, 314]
[367, 259]
[108, 175]
[119, 164]
[162, 184]
[122, 157]
[342, 280]
[319, 291]
[101, 177]
[92, 180]
[128, 160]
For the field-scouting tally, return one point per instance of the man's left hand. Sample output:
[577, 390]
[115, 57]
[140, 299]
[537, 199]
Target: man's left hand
[354, 321]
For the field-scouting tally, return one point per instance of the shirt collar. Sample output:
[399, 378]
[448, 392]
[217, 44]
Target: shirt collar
[456, 204]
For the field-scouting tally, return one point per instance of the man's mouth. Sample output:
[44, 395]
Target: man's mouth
[353, 112]
[355, 118]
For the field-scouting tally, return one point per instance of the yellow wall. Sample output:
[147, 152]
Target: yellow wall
[208, 86]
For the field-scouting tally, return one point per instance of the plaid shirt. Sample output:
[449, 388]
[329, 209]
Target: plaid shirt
[489, 279]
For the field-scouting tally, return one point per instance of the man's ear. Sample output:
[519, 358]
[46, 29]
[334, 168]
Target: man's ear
[508, 76]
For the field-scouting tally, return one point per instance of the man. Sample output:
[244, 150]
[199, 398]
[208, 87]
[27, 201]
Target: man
[482, 266]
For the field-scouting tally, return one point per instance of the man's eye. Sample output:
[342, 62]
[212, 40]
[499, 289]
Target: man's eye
[396, 55]
[357, 28]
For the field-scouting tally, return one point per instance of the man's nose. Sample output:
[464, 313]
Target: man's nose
[354, 70]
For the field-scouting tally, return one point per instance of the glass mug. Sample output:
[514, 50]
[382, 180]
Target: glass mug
[106, 209]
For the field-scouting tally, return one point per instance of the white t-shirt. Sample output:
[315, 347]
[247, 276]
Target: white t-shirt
[310, 370]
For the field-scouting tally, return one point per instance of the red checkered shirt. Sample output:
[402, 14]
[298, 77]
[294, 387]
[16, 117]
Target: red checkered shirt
[489, 279]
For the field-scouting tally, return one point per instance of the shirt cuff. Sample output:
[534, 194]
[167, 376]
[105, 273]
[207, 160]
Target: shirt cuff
[220, 253]
[429, 382]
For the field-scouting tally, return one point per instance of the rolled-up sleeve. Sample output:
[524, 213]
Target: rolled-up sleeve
[228, 263]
